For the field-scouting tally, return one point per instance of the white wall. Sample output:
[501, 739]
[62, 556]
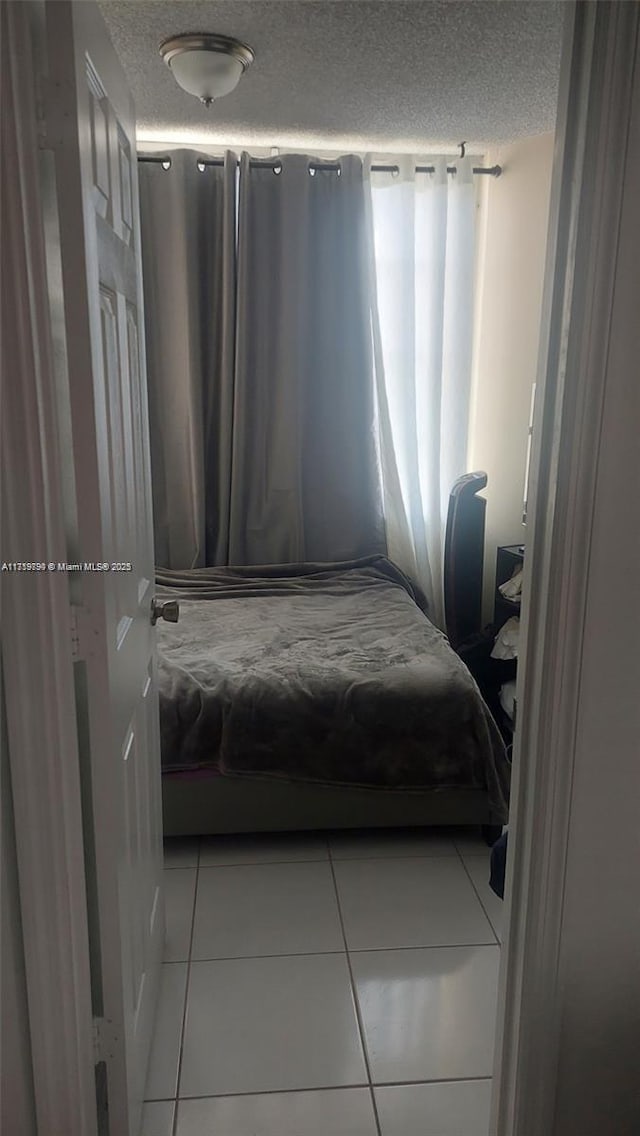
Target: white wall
[513, 214]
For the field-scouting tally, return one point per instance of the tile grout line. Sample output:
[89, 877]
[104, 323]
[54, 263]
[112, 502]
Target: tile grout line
[341, 951]
[265, 863]
[354, 995]
[280, 1092]
[453, 855]
[323, 1089]
[174, 1127]
[470, 878]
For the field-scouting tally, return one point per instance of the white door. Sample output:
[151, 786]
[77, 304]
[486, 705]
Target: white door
[90, 128]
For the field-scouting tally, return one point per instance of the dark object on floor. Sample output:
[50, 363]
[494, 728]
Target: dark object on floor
[491, 833]
[498, 865]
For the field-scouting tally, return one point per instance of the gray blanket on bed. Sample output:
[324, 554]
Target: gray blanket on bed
[325, 673]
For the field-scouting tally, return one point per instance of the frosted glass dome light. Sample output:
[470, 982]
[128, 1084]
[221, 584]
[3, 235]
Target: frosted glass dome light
[207, 66]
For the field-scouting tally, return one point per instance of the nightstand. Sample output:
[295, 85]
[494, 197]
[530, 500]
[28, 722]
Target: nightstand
[490, 673]
[508, 558]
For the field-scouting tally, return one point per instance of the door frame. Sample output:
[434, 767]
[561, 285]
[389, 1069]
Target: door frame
[37, 644]
[592, 172]
[37, 651]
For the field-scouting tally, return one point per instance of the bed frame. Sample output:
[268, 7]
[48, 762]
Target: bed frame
[204, 806]
[200, 806]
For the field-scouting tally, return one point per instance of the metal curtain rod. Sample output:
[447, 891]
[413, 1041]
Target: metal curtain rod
[165, 162]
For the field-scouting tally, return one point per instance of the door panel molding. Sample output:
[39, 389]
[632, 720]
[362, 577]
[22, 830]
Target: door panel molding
[91, 120]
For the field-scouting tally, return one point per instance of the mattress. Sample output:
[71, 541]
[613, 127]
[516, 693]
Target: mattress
[323, 673]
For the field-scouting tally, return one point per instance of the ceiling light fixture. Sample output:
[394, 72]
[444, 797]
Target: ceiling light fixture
[207, 66]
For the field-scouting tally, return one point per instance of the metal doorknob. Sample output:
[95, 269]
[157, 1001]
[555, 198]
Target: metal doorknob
[164, 609]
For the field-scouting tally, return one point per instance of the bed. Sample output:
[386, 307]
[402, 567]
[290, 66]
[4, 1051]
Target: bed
[318, 696]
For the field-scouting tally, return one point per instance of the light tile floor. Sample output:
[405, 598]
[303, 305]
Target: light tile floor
[326, 986]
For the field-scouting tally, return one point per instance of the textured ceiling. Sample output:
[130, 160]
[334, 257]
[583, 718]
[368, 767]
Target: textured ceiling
[377, 74]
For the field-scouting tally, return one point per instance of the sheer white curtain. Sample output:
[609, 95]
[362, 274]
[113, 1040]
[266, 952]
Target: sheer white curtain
[422, 228]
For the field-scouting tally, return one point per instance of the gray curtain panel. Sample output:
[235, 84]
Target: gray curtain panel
[305, 483]
[259, 363]
[188, 221]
